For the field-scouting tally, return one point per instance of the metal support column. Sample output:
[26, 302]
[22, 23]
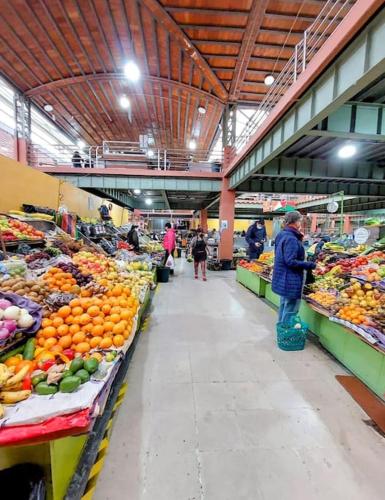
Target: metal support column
[229, 125]
[23, 126]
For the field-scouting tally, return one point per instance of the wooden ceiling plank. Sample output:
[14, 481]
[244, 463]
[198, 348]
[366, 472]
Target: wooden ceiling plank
[111, 105]
[138, 21]
[137, 117]
[115, 33]
[207, 11]
[215, 42]
[163, 17]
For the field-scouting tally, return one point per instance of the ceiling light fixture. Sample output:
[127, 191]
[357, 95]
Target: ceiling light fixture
[192, 144]
[201, 110]
[137, 191]
[48, 108]
[148, 201]
[132, 71]
[124, 102]
[81, 143]
[269, 80]
[150, 153]
[347, 151]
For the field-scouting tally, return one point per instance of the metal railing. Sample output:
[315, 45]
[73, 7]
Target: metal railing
[314, 37]
[119, 154]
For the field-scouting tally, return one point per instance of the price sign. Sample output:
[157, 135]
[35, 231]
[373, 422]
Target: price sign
[332, 207]
[361, 235]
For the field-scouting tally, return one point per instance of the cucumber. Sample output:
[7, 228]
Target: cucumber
[83, 375]
[76, 365]
[29, 349]
[67, 373]
[39, 378]
[69, 384]
[43, 389]
[9, 354]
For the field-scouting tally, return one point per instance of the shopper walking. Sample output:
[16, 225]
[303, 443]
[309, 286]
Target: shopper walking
[199, 252]
[256, 237]
[289, 266]
[77, 160]
[169, 241]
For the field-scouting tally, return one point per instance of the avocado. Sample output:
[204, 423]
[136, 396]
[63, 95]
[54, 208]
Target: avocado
[83, 375]
[44, 389]
[76, 365]
[69, 384]
[91, 365]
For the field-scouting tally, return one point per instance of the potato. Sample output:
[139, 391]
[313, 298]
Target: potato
[35, 288]
[18, 286]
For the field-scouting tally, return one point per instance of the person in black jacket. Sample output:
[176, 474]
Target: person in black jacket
[133, 238]
[256, 237]
[77, 160]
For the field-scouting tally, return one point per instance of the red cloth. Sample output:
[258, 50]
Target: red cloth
[54, 428]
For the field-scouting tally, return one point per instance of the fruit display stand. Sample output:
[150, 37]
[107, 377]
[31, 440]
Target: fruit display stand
[364, 360]
[73, 454]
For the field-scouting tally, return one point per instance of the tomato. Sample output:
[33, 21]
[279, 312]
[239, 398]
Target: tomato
[46, 365]
[27, 383]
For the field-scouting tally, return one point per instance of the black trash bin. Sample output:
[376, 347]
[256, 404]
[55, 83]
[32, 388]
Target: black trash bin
[226, 264]
[162, 274]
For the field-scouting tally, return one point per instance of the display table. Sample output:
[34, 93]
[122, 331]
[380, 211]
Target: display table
[72, 463]
[364, 360]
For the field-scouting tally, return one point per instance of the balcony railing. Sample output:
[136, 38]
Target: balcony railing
[118, 154]
[314, 37]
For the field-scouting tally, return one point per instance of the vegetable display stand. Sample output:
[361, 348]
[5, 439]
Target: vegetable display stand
[271, 296]
[311, 317]
[251, 280]
[72, 463]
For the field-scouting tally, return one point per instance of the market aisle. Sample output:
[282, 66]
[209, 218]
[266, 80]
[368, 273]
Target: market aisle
[215, 411]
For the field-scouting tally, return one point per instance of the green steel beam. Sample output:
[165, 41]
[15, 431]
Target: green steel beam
[323, 201]
[312, 185]
[357, 121]
[165, 199]
[143, 183]
[330, 169]
[357, 67]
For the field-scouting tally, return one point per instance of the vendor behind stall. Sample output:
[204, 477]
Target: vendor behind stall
[256, 237]
[133, 238]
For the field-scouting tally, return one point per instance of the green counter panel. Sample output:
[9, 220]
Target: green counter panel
[251, 281]
[271, 296]
[310, 317]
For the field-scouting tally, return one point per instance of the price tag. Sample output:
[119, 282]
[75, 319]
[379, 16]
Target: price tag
[361, 235]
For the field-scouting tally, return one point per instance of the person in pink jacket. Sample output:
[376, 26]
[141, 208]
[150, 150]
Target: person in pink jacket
[169, 240]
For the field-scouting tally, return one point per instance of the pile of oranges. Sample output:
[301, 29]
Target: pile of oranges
[56, 279]
[90, 322]
[354, 314]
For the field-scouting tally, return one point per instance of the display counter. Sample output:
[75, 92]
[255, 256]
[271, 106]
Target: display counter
[72, 463]
[363, 359]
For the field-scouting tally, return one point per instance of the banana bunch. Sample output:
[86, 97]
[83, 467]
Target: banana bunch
[11, 385]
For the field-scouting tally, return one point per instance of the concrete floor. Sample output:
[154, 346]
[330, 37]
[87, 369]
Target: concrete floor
[215, 411]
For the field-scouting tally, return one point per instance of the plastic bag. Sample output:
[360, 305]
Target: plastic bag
[170, 262]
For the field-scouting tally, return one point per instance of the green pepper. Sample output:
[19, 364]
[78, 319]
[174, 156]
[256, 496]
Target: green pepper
[44, 389]
[39, 378]
[29, 349]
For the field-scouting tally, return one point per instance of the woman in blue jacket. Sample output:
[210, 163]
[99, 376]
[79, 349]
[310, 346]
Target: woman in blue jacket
[289, 265]
[256, 237]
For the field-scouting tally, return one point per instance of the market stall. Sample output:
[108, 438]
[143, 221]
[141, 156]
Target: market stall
[344, 307]
[69, 315]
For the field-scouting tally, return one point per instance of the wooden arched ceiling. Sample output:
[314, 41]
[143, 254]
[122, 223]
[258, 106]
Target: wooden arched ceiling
[71, 54]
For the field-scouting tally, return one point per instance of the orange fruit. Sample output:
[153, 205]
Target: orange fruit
[50, 342]
[106, 308]
[65, 341]
[82, 347]
[126, 314]
[87, 328]
[85, 293]
[123, 303]
[95, 341]
[85, 319]
[118, 340]
[99, 320]
[115, 318]
[108, 326]
[57, 321]
[56, 349]
[117, 291]
[97, 330]
[93, 311]
[64, 311]
[69, 320]
[78, 337]
[49, 331]
[77, 311]
[105, 343]
[13, 361]
[41, 341]
[119, 328]
[46, 322]
[75, 328]
[66, 287]
[62, 330]
[74, 303]
[115, 310]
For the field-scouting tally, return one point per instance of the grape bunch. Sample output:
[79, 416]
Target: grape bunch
[81, 279]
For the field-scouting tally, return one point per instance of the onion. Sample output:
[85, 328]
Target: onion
[12, 312]
[4, 334]
[4, 303]
[1, 313]
[10, 325]
[25, 321]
